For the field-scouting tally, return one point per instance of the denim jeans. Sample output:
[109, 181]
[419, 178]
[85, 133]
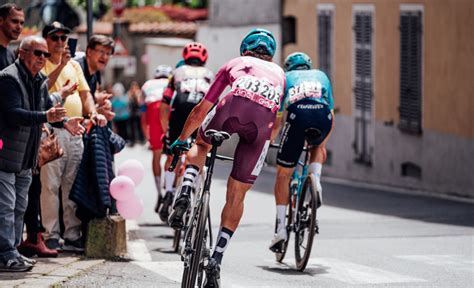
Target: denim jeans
[13, 203]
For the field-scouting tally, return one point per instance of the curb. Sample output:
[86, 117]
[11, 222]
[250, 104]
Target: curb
[385, 188]
[48, 272]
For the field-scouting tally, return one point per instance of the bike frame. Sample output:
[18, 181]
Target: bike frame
[300, 177]
[202, 199]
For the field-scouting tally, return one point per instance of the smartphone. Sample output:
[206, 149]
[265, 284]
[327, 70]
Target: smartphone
[72, 43]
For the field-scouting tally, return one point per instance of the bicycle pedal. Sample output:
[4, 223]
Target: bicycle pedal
[188, 250]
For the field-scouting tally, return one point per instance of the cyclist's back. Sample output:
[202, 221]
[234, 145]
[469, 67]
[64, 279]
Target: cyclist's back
[190, 84]
[153, 89]
[308, 84]
[248, 109]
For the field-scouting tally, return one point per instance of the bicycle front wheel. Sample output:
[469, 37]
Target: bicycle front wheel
[199, 224]
[305, 226]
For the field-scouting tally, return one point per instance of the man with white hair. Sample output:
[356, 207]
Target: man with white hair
[24, 106]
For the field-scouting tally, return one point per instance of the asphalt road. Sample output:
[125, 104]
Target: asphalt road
[368, 238]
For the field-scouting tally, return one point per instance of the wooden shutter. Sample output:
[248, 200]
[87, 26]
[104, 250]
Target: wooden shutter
[325, 41]
[363, 61]
[363, 91]
[410, 71]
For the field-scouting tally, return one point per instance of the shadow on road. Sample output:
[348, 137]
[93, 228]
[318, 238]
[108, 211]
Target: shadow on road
[285, 269]
[375, 201]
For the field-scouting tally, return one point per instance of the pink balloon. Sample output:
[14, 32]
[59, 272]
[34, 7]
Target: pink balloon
[122, 188]
[131, 208]
[133, 169]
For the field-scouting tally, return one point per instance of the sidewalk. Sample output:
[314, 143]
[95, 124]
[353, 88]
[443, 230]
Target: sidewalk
[49, 271]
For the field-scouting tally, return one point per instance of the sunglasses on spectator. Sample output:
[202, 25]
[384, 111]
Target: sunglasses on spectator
[56, 38]
[39, 53]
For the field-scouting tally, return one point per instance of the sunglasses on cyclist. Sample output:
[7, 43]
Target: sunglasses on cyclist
[56, 38]
[38, 53]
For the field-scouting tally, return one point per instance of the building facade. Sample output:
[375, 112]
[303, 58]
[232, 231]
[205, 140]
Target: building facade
[402, 80]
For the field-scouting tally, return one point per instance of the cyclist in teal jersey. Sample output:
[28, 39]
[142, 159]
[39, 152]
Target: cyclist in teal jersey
[309, 105]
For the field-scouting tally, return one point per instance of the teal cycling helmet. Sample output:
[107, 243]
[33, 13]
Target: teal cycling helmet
[297, 60]
[258, 40]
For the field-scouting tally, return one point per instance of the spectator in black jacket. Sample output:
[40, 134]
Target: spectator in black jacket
[25, 105]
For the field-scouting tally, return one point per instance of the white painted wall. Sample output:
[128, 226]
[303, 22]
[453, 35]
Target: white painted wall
[163, 51]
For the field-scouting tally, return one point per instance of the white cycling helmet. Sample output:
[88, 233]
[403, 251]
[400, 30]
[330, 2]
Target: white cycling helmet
[163, 71]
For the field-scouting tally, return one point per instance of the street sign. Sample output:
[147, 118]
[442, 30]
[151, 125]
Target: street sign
[118, 6]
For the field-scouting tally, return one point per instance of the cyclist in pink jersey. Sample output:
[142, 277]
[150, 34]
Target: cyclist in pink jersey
[250, 110]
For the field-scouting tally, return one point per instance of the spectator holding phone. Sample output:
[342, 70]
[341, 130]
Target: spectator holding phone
[61, 173]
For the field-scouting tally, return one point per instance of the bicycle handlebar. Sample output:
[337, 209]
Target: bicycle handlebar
[177, 151]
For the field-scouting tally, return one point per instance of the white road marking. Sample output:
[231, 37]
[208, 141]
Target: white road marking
[457, 262]
[173, 270]
[131, 225]
[352, 273]
[137, 250]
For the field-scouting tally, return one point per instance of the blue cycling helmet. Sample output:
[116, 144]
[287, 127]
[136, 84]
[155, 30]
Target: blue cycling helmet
[297, 60]
[256, 38]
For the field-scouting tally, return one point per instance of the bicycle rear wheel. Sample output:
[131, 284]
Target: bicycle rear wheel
[289, 218]
[199, 230]
[305, 225]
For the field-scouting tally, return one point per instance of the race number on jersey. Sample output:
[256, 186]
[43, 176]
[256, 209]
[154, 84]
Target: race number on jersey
[306, 89]
[259, 90]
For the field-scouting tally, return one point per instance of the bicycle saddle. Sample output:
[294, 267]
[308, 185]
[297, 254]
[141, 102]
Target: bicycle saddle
[217, 135]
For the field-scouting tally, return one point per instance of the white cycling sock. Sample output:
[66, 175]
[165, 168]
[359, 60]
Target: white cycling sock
[281, 217]
[190, 175]
[169, 180]
[316, 168]
[221, 244]
[158, 184]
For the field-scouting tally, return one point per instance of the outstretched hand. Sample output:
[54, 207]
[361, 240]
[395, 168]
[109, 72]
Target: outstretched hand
[73, 126]
[56, 113]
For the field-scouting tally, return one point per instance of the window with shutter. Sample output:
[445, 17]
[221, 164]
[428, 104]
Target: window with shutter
[325, 36]
[363, 86]
[289, 30]
[410, 71]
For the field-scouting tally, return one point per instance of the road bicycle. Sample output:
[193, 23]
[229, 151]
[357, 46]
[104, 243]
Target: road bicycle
[197, 241]
[301, 212]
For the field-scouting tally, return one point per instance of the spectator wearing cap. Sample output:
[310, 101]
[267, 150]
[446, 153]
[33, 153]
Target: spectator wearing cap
[25, 105]
[12, 19]
[99, 50]
[60, 174]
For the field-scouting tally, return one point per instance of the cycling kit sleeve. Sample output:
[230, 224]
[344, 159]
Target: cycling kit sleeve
[217, 87]
[169, 91]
